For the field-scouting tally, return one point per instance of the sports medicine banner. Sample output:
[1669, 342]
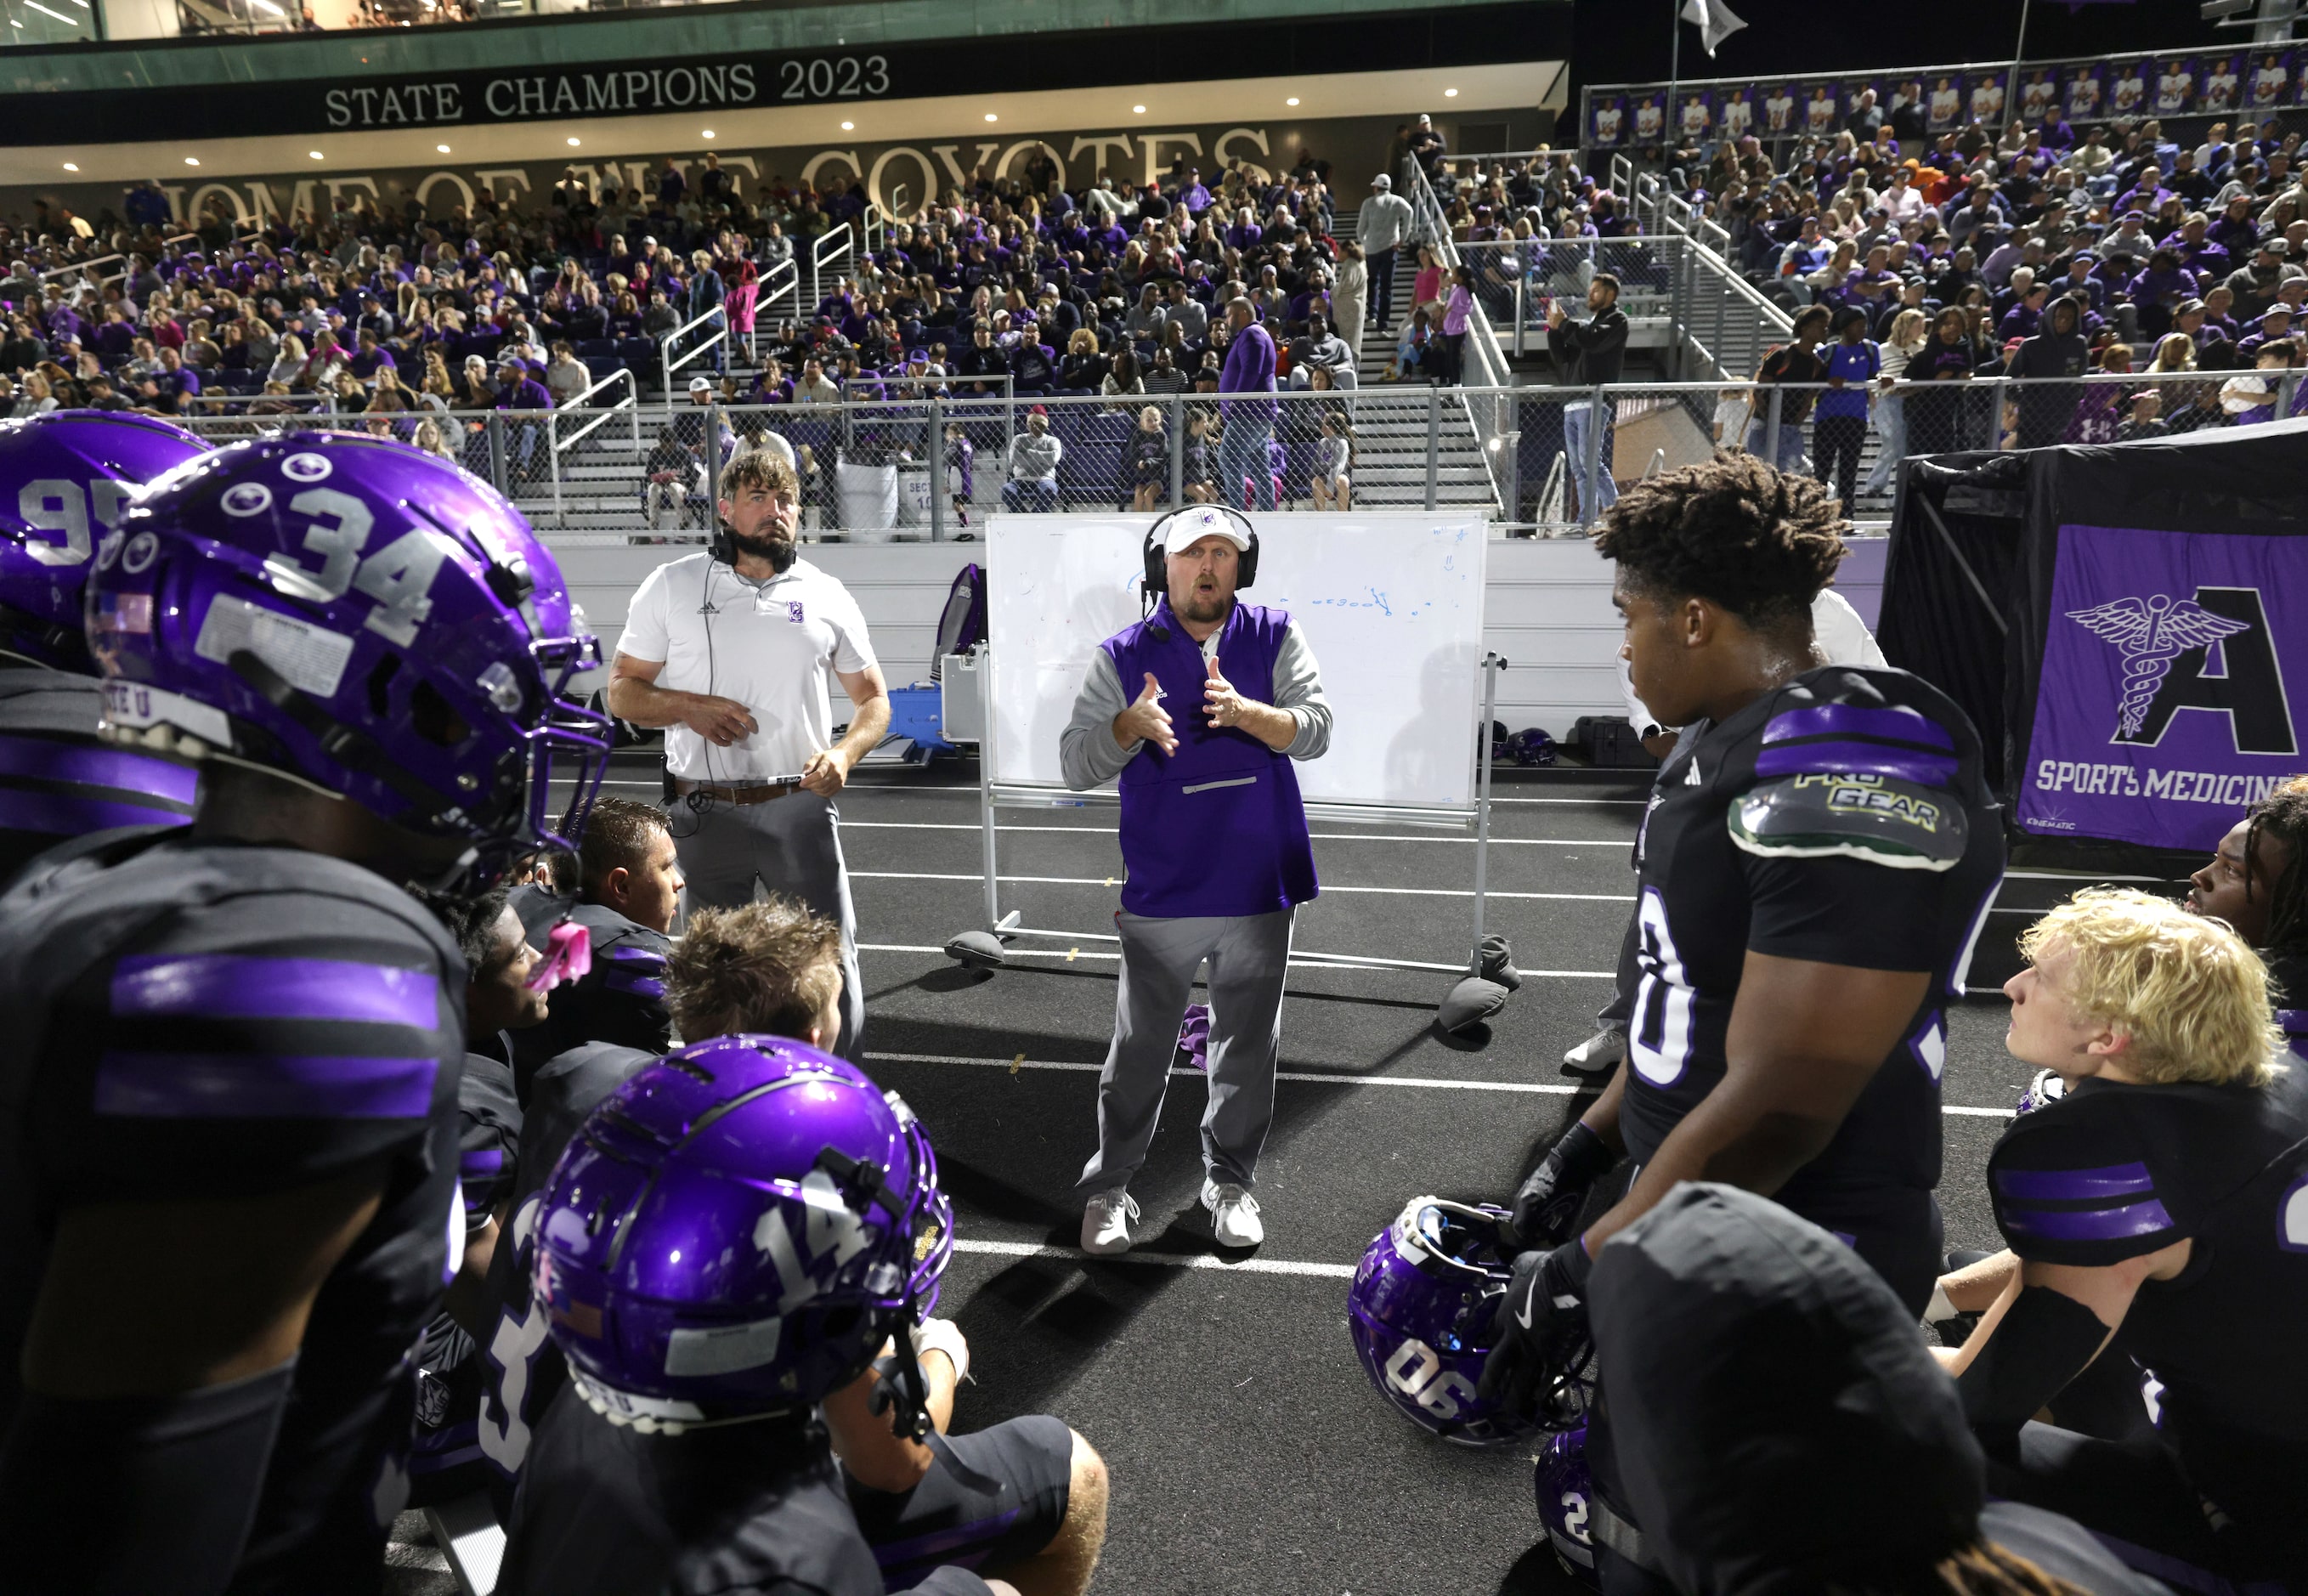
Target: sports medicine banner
[2173, 679]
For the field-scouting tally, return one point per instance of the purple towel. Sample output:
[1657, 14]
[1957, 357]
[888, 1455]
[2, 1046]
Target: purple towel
[1194, 1036]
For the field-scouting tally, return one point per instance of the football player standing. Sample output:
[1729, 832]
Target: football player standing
[231, 1134]
[1819, 852]
[65, 479]
[2157, 1209]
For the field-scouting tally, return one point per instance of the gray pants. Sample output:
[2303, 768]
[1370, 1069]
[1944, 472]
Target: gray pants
[792, 846]
[1249, 956]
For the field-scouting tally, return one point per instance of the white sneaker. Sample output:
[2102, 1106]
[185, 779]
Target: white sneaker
[1106, 1222]
[1597, 1054]
[1234, 1215]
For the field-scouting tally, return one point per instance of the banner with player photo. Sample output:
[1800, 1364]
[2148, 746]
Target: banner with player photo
[1943, 102]
[2127, 88]
[2176, 77]
[1782, 106]
[2220, 89]
[1821, 111]
[2145, 609]
[1694, 114]
[2085, 91]
[1984, 98]
[2268, 80]
[1736, 116]
[2039, 94]
[1649, 117]
[1607, 126]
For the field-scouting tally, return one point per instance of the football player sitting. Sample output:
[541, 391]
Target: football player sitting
[230, 1149]
[1820, 851]
[1027, 1497]
[66, 478]
[2157, 1209]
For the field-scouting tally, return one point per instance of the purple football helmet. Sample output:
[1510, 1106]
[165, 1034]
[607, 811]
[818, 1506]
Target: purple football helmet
[364, 617]
[735, 1232]
[1566, 1498]
[65, 479]
[1420, 1311]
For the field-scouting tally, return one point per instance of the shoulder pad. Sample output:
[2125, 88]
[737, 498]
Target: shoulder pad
[1853, 815]
[1843, 722]
[2072, 1183]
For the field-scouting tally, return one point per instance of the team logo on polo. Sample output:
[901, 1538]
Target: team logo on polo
[2168, 643]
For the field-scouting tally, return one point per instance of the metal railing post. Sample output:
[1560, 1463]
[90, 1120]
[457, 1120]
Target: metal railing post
[497, 451]
[2003, 395]
[937, 468]
[1434, 444]
[1510, 437]
[1772, 430]
[714, 422]
[1177, 450]
[1522, 283]
[1588, 492]
[553, 464]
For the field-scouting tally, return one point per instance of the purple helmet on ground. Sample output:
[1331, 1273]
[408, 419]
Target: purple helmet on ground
[736, 1231]
[1420, 1311]
[364, 617]
[65, 480]
[1566, 1498]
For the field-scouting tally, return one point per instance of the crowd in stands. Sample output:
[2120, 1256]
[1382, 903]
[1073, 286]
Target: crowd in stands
[1011, 286]
[2040, 253]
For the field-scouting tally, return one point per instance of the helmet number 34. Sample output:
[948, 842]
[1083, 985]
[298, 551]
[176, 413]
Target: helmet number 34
[1418, 1373]
[398, 576]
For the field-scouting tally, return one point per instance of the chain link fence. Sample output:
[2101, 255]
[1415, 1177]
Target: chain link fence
[921, 462]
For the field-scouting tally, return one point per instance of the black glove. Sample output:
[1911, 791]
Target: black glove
[1550, 1200]
[1543, 1312]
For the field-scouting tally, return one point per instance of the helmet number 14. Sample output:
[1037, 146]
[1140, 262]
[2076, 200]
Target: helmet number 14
[1418, 1373]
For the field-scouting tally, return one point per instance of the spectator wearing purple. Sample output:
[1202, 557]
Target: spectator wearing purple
[2026, 316]
[1249, 371]
[1841, 431]
[2147, 194]
[517, 390]
[1191, 195]
[168, 388]
[2158, 290]
[2274, 324]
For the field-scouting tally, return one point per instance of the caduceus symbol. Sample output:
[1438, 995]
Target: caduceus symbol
[2152, 632]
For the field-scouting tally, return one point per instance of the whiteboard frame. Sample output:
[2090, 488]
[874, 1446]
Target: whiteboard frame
[1039, 794]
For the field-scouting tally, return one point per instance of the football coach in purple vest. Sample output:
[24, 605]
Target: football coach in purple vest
[1197, 714]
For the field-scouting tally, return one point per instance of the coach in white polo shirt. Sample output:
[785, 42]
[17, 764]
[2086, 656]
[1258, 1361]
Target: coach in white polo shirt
[729, 650]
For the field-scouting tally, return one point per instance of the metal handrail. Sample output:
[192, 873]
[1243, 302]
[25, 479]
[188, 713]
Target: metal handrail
[1480, 339]
[83, 267]
[765, 296]
[667, 365]
[831, 246]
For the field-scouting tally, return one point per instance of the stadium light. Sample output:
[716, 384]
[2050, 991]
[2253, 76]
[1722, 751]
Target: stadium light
[44, 11]
[709, 133]
[849, 127]
[1449, 94]
[72, 165]
[1292, 100]
[573, 143]
[443, 149]
[990, 116]
[191, 161]
[1138, 110]
[315, 155]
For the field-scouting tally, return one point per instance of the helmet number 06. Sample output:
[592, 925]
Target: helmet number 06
[56, 504]
[398, 576]
[1418, 1373]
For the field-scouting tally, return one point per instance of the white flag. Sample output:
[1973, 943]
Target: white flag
[1714, 20]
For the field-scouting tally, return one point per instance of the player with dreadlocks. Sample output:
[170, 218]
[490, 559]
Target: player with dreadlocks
[1820, 851]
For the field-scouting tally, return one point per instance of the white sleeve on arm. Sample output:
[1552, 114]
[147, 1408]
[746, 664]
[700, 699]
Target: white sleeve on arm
[1838, 630]
[1088, 754]
[853, 649]
[1298, 688]
[646, 635]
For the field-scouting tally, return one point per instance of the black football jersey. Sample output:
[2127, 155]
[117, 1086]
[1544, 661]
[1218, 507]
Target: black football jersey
[2110, 1171]
[521, 1369]
[59, 781]
[196, 1020]
[621, 1000]
[749, 1508]
[444, 1457]
[1841, 819]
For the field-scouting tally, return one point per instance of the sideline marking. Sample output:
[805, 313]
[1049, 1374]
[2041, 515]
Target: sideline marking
[1413, 892]
[1327, 1078]
[1310, 962]
[1107, 830]
[1030, 1249]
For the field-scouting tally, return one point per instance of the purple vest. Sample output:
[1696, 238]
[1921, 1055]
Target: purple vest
[1217, 828]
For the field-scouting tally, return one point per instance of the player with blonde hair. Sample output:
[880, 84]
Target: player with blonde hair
[2156, 1210]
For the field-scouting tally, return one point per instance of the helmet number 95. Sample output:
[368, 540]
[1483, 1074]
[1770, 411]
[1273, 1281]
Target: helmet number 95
[57, 504]
[1418, 1373]
[398, 576]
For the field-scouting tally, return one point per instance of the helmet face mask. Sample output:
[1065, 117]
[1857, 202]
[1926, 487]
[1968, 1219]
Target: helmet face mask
[735, 1232]
[1420, 1310]
[363, 619]
[66, 478]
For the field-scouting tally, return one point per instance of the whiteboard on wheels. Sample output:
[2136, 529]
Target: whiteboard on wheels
[1391, 604]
